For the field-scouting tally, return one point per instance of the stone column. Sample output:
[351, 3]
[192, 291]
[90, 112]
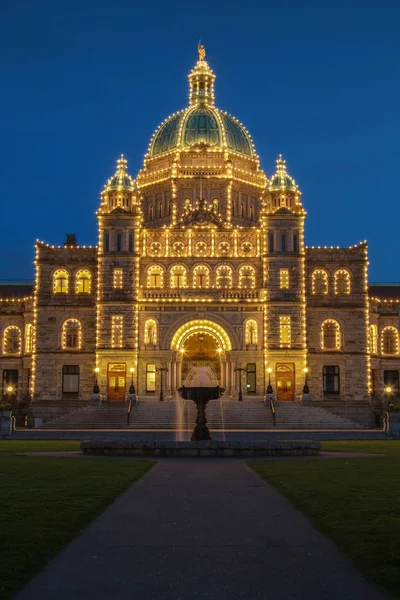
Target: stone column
[228, 376]
[173, 375]
[168, 383]
[178, 374]
[223, 374]
[233, 375]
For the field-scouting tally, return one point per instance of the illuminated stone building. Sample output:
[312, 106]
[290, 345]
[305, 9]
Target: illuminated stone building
[200, 260]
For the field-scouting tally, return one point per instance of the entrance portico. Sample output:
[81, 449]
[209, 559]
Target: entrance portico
[201, 342]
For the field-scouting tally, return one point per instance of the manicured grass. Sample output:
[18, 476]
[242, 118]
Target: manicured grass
[355, 501]
[13, 446]
[47, 501]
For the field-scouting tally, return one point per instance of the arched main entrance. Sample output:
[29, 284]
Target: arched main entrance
[201, 343]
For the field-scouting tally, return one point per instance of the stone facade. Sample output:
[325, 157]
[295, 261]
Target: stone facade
[200, 260]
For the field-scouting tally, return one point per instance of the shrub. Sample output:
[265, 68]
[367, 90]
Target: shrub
[5, 406]
[391, 407]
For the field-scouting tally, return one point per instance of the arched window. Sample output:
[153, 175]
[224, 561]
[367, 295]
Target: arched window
[60, 281]
[150, 332]
[201, 277]
[342, 282]
[247, 277]
[28, 338]
[160, 210]
[251, 332]
[178, 277]
[71, 334]
[242, 210]
[155, 277]
[390, 340]
[12, 338]
[373, 339]
[319, 282]
[83, 282]
[224, 277]
[151, 212]
[251, 213]
[330, 335]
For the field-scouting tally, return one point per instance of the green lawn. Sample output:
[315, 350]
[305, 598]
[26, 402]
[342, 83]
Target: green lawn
[355, 501]
[12, 446]
[47, 501]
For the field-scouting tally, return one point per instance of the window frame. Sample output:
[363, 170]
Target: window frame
[336, 378]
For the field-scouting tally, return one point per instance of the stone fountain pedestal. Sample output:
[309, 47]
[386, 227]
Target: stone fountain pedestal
[201, 386]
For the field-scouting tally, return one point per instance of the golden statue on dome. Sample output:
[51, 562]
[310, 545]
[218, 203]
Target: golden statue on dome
[201, 50]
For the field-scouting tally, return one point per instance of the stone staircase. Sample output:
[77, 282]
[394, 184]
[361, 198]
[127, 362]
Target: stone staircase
[292, 415]
[176, 414]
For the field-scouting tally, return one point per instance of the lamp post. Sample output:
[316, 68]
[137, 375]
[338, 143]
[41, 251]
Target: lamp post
[269, 388]
[388, 391]
[240, 369]
[161, 369]
[96, 389]
[132, 386]
[306, 389]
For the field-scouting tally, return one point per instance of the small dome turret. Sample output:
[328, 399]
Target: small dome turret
[121, 180]
[119, 193]
[281, 181]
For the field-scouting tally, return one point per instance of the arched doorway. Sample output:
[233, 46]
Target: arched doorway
[201, 350]
[201, 343]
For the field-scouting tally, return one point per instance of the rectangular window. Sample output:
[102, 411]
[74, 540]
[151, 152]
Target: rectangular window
[391, 379]
[251, 378]
[151, 378]
[285, 331]
[131, 241]
[271, 242]
[118, 242]
[284, 279]
[295, 242]
[118, 283]
[331, 380]
[106, 240]
[117, 326]
[70, 379]
[283, 242]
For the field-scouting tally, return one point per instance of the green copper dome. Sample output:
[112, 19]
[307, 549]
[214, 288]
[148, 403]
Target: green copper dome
[281, 181]
[121, 180]
[201, 124]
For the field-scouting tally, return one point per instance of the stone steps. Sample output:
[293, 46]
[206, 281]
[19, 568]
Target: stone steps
[221, 414]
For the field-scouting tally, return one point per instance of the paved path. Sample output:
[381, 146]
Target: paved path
[200, 529]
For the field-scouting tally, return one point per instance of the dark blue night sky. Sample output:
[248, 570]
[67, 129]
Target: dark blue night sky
[83, 81]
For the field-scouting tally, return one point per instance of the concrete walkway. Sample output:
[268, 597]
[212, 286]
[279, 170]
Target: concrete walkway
[202, 528]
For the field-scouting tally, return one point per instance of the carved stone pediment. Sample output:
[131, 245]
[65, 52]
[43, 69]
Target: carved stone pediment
[118, 210]
[202, 216]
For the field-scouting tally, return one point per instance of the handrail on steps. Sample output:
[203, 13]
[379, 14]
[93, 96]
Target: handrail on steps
[272, 407]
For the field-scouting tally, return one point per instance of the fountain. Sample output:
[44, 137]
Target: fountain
[201, 386]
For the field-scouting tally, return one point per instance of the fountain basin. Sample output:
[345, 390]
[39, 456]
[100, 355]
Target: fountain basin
[200, 448]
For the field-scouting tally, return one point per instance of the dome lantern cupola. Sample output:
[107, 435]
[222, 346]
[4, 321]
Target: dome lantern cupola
[281, 180]
[201, 81]
[283, 190]
[119, 189]
[121, 180]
